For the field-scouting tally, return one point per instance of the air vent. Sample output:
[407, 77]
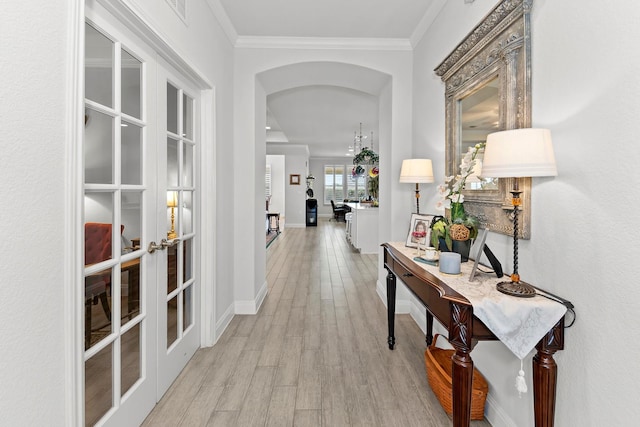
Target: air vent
[180, 6]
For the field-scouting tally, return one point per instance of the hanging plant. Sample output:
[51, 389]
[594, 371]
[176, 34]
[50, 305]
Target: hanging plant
[366, 156]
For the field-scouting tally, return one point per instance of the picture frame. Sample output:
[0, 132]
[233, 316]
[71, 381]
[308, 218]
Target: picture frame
[479, 246]
[419, 220]
[294, 179]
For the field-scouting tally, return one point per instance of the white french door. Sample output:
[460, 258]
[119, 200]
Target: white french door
[140, 189]
[178, 290]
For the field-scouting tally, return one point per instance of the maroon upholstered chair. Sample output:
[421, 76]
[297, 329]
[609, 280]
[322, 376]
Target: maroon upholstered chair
[97, 248]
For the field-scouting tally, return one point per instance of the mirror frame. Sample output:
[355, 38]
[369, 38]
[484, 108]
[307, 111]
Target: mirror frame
[498, 47]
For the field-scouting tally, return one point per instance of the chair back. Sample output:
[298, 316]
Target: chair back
[97, 242]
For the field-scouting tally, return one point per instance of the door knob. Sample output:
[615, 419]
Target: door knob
[169, 243]
[153, 246]
[164, 244]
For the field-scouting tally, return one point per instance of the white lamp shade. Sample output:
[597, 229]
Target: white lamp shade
[519, 153]
[172, 199]
[416, 171]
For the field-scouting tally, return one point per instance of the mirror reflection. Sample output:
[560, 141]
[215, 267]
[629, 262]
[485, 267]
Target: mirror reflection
[479, 116]
[488, 88]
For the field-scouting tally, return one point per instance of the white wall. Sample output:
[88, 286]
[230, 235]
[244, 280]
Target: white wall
[295, 205]
[296, 160]
[585, 89]
[33, 118]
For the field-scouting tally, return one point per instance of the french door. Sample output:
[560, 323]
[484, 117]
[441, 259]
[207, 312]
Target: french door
[141, 322]
[177, 296]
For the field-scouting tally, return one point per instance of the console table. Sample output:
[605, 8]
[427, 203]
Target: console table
[455, 313]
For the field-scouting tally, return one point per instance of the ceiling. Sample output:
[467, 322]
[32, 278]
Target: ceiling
[327, 18]
[324, 114]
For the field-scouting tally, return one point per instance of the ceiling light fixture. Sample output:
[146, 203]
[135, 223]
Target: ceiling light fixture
[365, 155]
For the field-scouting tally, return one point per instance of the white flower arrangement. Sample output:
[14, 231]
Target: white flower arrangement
[451, 190]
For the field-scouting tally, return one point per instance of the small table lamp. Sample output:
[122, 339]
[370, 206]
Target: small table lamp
[515, 154]
[416, 171]
[172, 202]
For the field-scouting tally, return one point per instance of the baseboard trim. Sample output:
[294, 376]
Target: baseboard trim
[252, 307]
[222, 324]
[262, 294]
[496, 416]
[292, 225]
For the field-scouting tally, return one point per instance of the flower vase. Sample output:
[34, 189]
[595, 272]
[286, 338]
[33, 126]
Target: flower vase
[442, 245]
[457, 211]
[463, 247]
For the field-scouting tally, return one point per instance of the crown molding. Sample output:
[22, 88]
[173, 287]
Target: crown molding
[252, 42]
[223, 19]
[430, 15]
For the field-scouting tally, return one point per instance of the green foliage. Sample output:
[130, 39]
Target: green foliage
[366, 156]
[373, 187]
[440, 229]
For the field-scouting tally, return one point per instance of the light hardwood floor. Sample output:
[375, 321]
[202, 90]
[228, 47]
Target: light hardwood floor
[314, 355]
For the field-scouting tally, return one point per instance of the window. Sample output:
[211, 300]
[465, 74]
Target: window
[333, 183]
[267, 182]
[340, 184]
[356, 187]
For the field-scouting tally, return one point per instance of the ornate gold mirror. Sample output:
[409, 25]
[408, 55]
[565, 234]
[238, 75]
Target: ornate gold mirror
[488, 88]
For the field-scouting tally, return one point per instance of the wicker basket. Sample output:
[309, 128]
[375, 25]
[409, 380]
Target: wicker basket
[438, 364]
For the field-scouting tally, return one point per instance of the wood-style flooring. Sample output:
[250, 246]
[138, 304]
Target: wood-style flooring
[316, 353]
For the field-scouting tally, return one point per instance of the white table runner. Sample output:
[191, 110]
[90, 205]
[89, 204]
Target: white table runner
[518, 322]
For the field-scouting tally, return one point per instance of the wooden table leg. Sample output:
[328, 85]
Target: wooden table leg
[462, 364]
[429, 335]
[391, 307]
[545, 375]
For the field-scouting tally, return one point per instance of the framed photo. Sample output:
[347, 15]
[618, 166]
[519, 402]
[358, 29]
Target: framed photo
[294, 179]
[419, 222]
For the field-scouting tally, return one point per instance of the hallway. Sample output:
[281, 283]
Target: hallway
[314, 355]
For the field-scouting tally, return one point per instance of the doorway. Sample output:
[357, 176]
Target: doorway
[140, 224]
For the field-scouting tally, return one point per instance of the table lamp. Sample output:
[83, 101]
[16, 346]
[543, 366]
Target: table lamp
[516, 154]
[416, 171]
[172, 202]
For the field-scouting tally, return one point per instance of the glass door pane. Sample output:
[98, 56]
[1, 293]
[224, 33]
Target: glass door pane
[98, 150]
[131, 89]
[177, 310]
[99, 65]
[117, 338]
